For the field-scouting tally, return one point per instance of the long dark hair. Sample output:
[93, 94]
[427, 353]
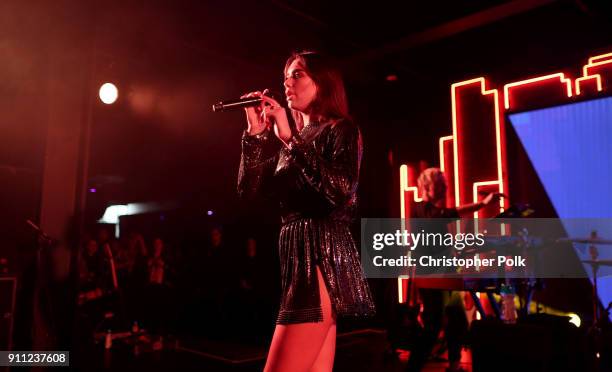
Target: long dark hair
[330, 104]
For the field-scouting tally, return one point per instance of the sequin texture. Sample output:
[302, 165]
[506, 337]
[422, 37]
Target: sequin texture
[315, 182]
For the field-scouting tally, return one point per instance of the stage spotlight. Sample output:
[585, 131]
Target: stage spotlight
[113, 212]
[210, 213]
[574, 319]
[108, 93]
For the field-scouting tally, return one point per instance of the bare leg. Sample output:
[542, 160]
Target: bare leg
[325, 359]
[296, 347]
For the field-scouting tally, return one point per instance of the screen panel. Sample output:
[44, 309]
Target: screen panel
[569, 149]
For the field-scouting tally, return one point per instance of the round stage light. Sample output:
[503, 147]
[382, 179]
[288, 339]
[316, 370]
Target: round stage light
[108, 93]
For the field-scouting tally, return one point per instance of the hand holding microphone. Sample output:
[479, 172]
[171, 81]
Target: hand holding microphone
[263, 111]
[254, 113]
[275, 114]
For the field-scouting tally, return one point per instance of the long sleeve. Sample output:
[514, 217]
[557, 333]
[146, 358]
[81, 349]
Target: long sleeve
[257, 164]
[332, 169]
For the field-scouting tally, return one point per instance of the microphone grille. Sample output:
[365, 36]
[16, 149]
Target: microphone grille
[217, 107]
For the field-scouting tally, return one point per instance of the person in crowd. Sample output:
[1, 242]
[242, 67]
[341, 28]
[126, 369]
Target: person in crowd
[250, 294]
[219, 278]
[158, 292]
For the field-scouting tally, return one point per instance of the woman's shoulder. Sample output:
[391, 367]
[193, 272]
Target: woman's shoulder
[344, 128]
[343, 123]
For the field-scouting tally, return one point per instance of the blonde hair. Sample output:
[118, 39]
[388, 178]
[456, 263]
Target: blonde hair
[430, 176]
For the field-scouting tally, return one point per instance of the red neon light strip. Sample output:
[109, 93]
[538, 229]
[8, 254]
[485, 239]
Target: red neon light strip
[585, 68]
[600, 58]
[475, 187]
[560, 75]
[597, 78]
[484, 91]
[441, 145]
[404, 182]
[404, 188]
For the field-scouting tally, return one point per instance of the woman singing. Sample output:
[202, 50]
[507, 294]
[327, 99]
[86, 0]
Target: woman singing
[314, 176]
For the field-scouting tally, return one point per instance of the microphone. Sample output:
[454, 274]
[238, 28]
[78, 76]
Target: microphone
[236, 104]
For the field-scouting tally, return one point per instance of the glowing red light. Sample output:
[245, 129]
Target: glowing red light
[539, 79]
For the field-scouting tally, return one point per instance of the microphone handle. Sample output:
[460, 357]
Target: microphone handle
[236, 104]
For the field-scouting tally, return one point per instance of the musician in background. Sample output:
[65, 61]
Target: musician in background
[432, 187]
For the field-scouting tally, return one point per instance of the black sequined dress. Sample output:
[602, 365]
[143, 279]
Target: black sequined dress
[315, 181]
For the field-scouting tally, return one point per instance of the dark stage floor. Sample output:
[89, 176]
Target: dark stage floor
[361, 350]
